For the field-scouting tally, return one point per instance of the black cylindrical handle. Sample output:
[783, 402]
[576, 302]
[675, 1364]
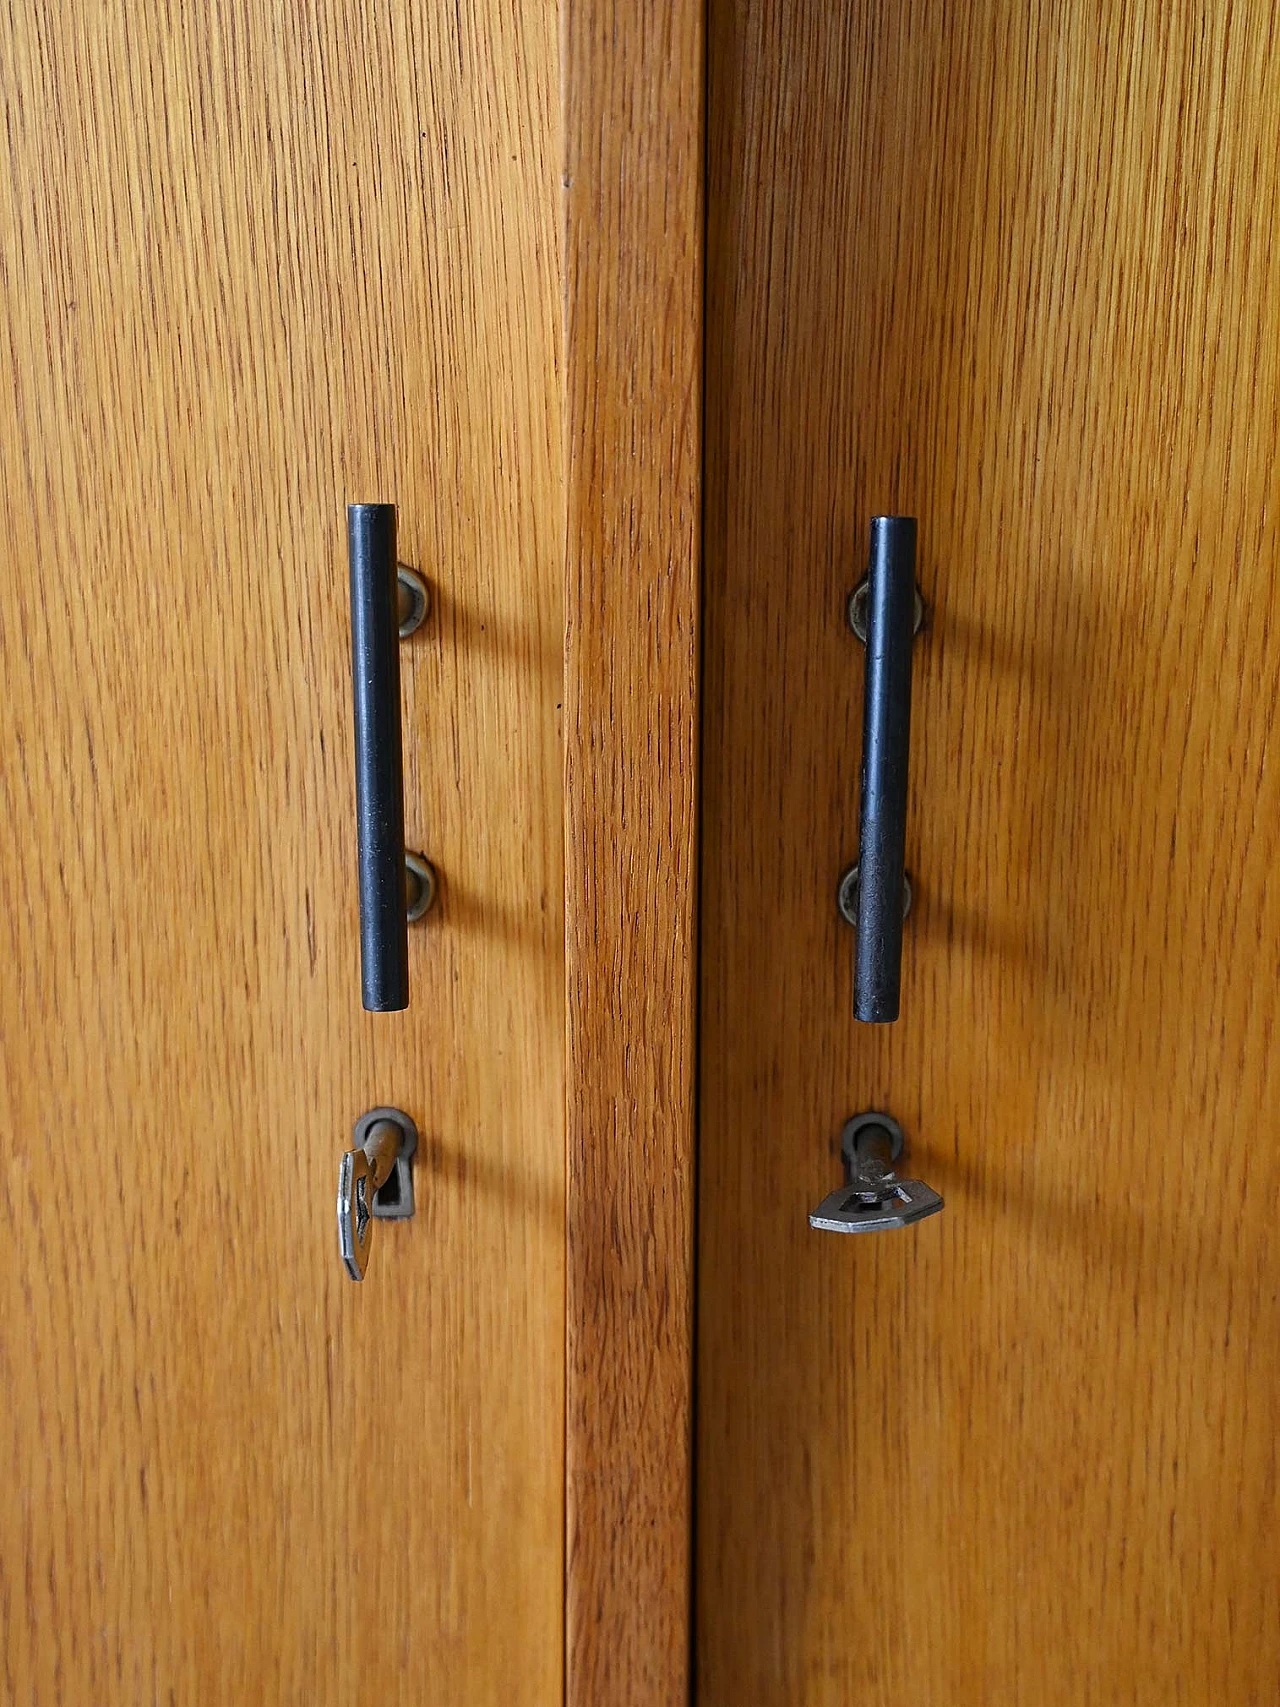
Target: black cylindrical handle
[886, 730]
[375, 671]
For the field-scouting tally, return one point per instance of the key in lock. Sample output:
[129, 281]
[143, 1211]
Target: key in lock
[375, 1182]
[873, 1198]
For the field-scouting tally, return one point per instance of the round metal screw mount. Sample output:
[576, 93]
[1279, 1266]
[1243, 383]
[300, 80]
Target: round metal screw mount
[420, 886]
[856, 611]
[847, 895]
[413, 600]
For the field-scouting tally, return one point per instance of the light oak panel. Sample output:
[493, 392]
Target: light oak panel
[255, 262]
[633, 317]
[1011, 269]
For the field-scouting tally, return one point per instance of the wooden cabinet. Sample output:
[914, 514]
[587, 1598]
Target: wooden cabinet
[259, 262]
[1011, 270]
[639, 314]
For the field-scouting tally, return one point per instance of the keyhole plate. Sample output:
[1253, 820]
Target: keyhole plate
[393, 1201]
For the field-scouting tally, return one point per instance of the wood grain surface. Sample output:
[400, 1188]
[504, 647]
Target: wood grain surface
[257, 261]
[633, 87]
[1011, 269]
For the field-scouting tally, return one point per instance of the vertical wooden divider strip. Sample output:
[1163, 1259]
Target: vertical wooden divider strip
[633, 115]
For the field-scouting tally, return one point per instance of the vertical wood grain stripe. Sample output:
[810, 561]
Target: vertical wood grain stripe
[633, 100]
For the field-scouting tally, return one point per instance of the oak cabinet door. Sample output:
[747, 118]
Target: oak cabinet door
[258, 262]
[1011, 271]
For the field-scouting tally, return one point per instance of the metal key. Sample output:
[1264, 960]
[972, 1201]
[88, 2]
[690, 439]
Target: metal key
[872, 1197]
[375, 1182]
